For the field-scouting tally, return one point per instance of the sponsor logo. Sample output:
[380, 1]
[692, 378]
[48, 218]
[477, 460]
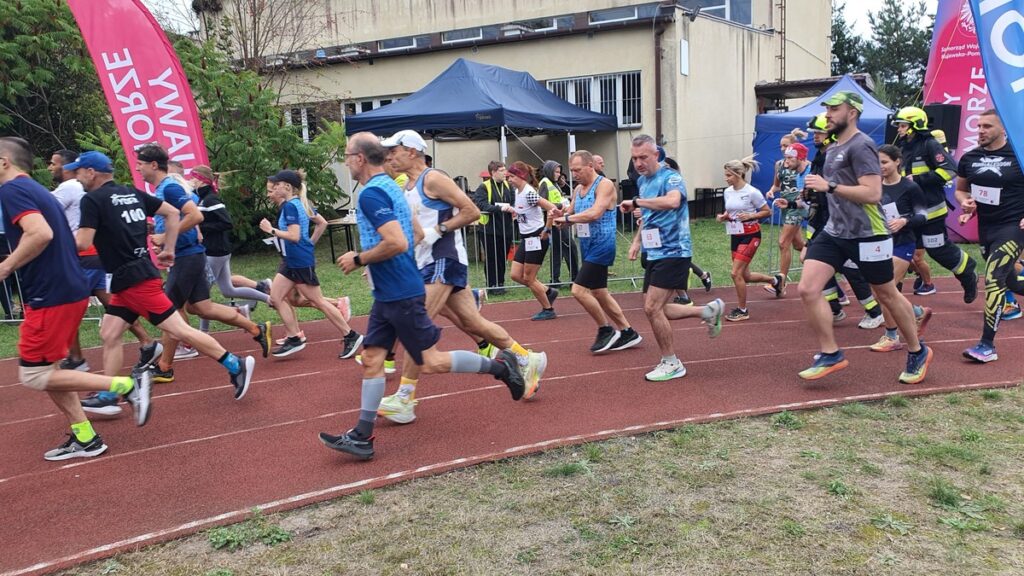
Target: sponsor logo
[940, 158]
[966, 19]
[994, 164]
[123, 199]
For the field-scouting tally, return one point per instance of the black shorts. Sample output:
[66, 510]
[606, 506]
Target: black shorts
[524, 256]
[592, 276]
[667, 273]
[836, 251]
[404, 320]
[990, 237]
[744, 246]
[186, 281]
[305, 275]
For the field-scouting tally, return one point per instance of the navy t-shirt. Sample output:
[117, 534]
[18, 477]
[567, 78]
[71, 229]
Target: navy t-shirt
[296, 254]
[54, 277]
[171, 192]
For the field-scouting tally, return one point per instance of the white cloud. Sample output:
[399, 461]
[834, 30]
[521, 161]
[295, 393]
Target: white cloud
[857, 13]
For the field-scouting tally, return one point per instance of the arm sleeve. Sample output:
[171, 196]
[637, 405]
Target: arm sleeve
[90, 217]
[16, 206]
[942, 168]
[150, 203]
[756, 198]
[216, 217]
[291, 214]
[376, 207]
[918, 203]
[865, 159]
[532, 198]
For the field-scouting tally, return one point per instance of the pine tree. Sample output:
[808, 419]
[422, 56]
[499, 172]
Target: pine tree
[847, 47]
[897, 55]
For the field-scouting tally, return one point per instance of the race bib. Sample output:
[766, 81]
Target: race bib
[933, 240]
[986, 194]
[532, 244]
[891, 213]
[733, 227]
[583, 230]
[650, 238]
[876, 251]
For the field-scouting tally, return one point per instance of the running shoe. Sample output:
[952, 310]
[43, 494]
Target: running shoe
[349, 444]
[706, 281]
[983, 353]
[887, 344]
[844, 300]
[869, 323]
[512, 377]
[606, 336]
[161, 376]
[263, 338]
[264, 286]
[969, 282]
[917, 365]
[241, 380]
[389, 365]
[545, 315]
[683, 299]
[344, 305]
[779, 286]
[290, 346]
[75, 449]
[350, 344]
[1011, 311]
[839, 317]
[825, 364]
[148, 354]
[665, 371]
[102, 403]
[716, 307]
[398, 408]
[925, 289]
[922, 318]
[918, 283]
[489, 351]
[245, 311]
[185, 351]
[139, 396]
[479, 297]
[552, 296]
[627, 339]
[769, 288]
[301, 336]
[738, 315]
[536, 364]
[72, 364]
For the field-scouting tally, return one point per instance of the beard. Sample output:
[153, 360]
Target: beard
[838, 127]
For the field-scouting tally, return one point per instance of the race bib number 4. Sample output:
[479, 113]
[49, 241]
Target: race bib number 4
[733, 227]
[986, 194]
[583, 230]
[532, 244]
[933, 240]
[876, 251]
[651, 238]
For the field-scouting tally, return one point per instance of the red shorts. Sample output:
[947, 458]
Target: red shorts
[146, 299]
[744, 246]
[47, 332]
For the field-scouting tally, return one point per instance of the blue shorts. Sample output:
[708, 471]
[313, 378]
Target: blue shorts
[95, 279]
[446, 271]
[404, 320]
[904, 251]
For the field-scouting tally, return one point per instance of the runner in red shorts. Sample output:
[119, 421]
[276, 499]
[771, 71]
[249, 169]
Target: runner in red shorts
[55, 296]
[114, 220]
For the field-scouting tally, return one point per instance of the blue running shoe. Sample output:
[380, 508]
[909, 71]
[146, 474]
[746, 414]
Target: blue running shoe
[917, 365]
[545, 315]
[982, 353]
[825, 364]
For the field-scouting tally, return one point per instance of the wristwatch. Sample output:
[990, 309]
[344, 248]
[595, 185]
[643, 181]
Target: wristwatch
[634, 203]
[357, 259]
[832, 186]
[442, 229]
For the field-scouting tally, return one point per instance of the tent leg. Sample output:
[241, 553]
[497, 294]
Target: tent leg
[570, 141]
[503, 145]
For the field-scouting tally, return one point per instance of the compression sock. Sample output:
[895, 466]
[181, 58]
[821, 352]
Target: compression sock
[83, 431]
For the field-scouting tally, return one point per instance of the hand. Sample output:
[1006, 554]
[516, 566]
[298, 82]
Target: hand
[722, 217]
[964, 218]
[638, 214]
[544, 235]
[157, 239]
[780, 203]
[626, 206]
[816, 183]
[896, 224]
[634, 251]
[508, 209]
[557, 214]
[266, 226]
[431, 235]
[165, 258]
[770, 194]
[742, 217]
[5, 271]
[347, 262]
[1022, 223]
[969, 206]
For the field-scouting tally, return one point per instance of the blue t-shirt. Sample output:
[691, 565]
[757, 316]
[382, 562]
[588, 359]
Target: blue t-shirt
[171, 192]
[673, 225]
[54, 277]
[382, 201]
[296, 254]
[599, 247]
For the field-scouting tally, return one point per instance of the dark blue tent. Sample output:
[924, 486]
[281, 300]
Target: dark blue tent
[472, 100]
[769, 128]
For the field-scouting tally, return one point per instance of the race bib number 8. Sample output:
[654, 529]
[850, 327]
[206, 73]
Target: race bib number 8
[876, 251]
[533, 244]
[733, 227]
[651, 238]
[583, 230]
[986, 194]
[933, 240]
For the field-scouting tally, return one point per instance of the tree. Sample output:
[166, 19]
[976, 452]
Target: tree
[847, 47]
[49, 91]
[897, 55]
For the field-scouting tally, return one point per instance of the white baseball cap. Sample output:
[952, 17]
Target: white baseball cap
[407, 138]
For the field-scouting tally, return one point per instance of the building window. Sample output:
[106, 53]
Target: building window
[613, 15]
[738, 11]
[467, 35]
[310, 118]
[353, 107]
[404, 43]
[615, 94]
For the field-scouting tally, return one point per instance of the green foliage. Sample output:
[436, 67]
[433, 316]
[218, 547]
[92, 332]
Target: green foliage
[897, 54]
[889, 523]
[567, 469]
[49, 90]
[847, 47]
[255, 529]
[366, 497]
[787, 420]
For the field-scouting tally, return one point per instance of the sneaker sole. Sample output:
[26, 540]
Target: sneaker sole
[924, 370]
[287, 353]
[362, 454]
[79, 454]
[109, 411]
[265, 345]
[806, 375]
[980, 359]
[740, 319]
[672, 376]
[145, 396]
[250, 365]
[162, 379]
[531, 389]
[398, 417]
[899, 346]
[629, 344]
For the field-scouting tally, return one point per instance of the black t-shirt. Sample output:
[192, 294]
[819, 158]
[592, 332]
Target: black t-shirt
[994, 176]
[118, 214]
[906, 199]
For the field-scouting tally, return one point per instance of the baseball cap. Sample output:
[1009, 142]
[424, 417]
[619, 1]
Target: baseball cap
[98, 161]
[290, 176]
[846, 97]
[796, 150]
[407, 138]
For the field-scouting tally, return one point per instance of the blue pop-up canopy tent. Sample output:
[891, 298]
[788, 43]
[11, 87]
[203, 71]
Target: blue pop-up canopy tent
[769, 128]
[472, 100]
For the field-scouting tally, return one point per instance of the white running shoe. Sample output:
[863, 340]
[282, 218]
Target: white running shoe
[869, 323]
[536, 364]
[397, 408]
[666, 371]
[185, 351]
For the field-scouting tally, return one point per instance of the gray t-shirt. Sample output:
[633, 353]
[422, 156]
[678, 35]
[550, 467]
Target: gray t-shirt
[844, 164]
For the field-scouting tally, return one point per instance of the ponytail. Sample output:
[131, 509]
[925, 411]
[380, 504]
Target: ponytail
[743, 166]
[302, 192]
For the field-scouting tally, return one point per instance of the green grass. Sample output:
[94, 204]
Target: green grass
[710, 249]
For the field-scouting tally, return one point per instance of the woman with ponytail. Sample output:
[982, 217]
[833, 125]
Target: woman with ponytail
[534, 230]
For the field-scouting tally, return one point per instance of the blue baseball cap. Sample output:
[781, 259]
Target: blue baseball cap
[98, 161]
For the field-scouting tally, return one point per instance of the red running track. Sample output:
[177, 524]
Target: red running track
[205, 459]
